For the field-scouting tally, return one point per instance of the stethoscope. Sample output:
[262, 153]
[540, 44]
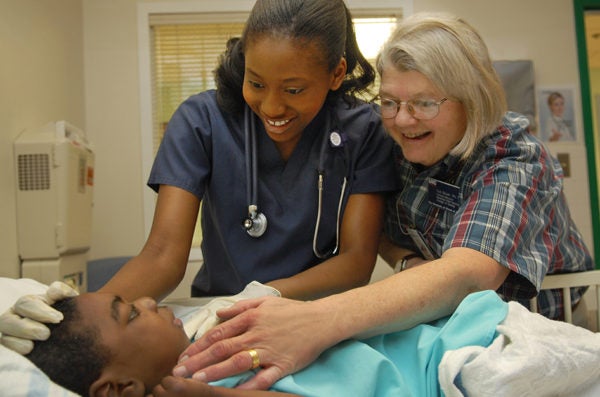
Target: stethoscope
[256, 222]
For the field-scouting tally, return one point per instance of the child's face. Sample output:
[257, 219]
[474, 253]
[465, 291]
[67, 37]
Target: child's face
[144, 340]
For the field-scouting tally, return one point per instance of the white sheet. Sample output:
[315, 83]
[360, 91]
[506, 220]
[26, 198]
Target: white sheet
[532, 356]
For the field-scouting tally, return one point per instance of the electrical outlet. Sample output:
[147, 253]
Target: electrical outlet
[565, 163]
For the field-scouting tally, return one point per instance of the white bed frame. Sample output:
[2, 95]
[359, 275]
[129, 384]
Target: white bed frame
[569, 280]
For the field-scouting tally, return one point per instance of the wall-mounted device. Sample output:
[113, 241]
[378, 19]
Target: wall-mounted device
[54, 168]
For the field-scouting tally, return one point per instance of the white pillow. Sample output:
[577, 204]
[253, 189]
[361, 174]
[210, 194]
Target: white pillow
[12, 289]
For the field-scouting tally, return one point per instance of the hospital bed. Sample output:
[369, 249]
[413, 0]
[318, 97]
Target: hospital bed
[530, 355]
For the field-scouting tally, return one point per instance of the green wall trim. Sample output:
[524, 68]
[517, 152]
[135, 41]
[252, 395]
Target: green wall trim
[580, 6]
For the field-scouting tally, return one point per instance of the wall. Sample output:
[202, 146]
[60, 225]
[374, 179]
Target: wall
[41, 80]
[113, 124]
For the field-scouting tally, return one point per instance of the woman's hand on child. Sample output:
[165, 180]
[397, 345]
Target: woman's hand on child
[269, 335]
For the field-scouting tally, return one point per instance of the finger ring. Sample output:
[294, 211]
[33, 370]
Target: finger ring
[255, 359]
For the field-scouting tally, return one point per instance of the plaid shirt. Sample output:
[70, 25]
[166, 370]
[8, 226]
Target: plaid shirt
[509, 205]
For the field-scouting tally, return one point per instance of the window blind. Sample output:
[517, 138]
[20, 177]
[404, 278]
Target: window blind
[184, 54]
[184, 58]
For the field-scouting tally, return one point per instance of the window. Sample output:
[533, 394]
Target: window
[184, 55]
[183, 59]
[184, 50]
[371, 33]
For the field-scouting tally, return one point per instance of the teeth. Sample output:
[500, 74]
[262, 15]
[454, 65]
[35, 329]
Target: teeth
[414, 135]
[278, 123]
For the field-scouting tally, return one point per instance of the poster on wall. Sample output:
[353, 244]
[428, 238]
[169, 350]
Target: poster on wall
[556, 113]
[517, 79]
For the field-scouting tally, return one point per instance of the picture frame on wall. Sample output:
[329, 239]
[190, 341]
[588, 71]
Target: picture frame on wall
[556, 112]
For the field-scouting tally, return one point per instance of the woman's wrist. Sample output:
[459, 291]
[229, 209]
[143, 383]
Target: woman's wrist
[340, 315]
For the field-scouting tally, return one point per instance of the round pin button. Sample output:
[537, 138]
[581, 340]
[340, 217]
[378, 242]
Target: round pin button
[335, 139]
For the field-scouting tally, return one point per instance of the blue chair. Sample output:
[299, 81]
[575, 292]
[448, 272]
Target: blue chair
[99, 271]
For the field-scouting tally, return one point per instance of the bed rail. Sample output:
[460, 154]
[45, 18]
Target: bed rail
[566, 281]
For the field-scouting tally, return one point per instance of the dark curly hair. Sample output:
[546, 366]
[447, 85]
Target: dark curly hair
[328, 23]
[72, 356]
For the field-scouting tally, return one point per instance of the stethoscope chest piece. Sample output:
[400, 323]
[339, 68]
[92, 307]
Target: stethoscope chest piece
[256, 223]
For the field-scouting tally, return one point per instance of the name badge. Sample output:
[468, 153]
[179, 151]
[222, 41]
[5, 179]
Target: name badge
[444, 195]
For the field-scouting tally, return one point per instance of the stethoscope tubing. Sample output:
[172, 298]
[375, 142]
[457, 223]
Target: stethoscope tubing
[251, 158]
[318, 223]
[320, 183]
[256, 222]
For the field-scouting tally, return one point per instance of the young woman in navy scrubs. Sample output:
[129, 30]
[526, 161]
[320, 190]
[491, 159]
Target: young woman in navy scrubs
[284, 109]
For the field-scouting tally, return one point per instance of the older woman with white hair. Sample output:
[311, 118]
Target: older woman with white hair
[479, 191]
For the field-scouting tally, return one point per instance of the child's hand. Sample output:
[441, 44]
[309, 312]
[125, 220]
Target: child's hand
[172, 386]
[182, 387]
[207, 318]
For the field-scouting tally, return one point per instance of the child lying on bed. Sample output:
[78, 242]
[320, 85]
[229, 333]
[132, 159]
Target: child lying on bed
[106, 346]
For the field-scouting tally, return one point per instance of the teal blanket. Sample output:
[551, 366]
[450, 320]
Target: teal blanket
[398, 364]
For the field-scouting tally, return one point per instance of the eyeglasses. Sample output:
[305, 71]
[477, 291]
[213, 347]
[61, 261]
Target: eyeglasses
[420, 109]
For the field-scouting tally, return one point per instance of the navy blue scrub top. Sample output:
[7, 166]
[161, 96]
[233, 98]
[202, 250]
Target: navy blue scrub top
[203, 152]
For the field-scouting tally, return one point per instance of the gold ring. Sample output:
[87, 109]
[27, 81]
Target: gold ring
[255, 359]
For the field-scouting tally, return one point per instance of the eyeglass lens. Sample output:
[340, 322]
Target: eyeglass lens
[420, 109]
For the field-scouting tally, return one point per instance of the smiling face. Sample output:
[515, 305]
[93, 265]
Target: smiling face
[423, 142]
[286, 83]
[144, 340]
